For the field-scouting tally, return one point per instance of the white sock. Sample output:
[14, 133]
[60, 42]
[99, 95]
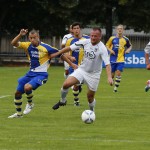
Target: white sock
[92, 105]
[64, 93]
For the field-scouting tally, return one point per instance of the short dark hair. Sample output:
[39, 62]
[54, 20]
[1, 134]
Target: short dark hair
[33, 31]
[76, 24]
[97, 28]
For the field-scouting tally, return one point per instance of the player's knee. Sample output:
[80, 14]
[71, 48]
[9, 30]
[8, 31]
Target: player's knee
[27, 87]
[66, 85]
[18, 95]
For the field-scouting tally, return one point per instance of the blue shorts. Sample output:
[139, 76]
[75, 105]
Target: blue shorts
[117, 66]
[35, 79]
[71, 70]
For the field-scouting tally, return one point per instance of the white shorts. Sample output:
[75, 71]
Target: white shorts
[91, 79]
[66, 66]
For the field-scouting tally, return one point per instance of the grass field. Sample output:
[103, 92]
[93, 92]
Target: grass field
[122, 119]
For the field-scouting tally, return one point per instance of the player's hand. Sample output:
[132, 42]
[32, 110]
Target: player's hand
[73, 59]
[74, 66]
[23, 32]
[112, 52]
[127, 52]
[110, 81]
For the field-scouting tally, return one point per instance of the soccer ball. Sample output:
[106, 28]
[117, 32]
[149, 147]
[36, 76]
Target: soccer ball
[88, 116]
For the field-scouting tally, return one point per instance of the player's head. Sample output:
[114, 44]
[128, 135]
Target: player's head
[96, 35]
[34, 37]
[120, 29]
[76, 29]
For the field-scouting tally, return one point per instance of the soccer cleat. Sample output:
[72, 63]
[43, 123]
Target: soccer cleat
[28, 108]
[56, 106]
[147, 88]
[15, 116]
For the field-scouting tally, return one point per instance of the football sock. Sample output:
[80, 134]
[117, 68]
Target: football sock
[29, 97]
[92, 105]
[76, 93]
[64, 93]
[117, 81]
[18, 104]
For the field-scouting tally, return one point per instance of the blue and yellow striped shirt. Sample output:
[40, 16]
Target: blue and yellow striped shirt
[118, 45]
[38, 56]
[78, 53]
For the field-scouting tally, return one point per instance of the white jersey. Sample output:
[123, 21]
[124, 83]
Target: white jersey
[94, 55]
[65, 38]
[147, 48]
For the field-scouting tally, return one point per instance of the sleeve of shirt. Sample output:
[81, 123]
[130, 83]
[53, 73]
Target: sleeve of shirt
[23, 45]
[128, 43]
[147, 48]
[105, 56]
[109, 42]
[77, 45]
[64, 40]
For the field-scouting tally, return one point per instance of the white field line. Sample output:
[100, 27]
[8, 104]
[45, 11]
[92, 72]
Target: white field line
[4, 96]
[100, 140]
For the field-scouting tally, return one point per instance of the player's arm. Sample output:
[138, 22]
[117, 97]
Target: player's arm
[109, 47]
[109, 77]
[64, 50]
[71, 58]
[65, 58]
[15, 41]
[147, 58]
[128, 50]
[147, 51]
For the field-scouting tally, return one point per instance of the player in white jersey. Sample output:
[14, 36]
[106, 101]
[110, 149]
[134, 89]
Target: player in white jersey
[63, 43]
[147, 55]
[90, 69]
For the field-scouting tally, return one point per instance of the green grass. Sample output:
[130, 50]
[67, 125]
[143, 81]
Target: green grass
[122, 119]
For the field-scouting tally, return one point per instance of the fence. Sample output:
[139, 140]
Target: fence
[10, 54]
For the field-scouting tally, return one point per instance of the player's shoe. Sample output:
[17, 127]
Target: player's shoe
[147, 88]
[57, 105]
[15, 116]
[115, 89]
[28, 108]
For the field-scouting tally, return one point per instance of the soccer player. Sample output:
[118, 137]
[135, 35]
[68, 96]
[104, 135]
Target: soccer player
[63, 44]
[89, 70]
[147, 54]
[38, 54]
[78, 55]
[118, 46]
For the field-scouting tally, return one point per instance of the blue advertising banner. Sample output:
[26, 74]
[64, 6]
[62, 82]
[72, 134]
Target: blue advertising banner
[135, 59]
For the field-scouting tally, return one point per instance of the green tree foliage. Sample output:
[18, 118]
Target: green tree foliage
[52, 16]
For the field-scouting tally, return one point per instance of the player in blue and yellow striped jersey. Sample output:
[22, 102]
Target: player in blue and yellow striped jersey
[38, 54]
[78, 54]
[118, 46]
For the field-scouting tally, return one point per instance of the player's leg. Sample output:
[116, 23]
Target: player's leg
[18, 97]
[92, 82]
[91, 99]
[34, 83]
[75, 78]
[75, 89]
[119, 70]
[70, 81]
[76, 94]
